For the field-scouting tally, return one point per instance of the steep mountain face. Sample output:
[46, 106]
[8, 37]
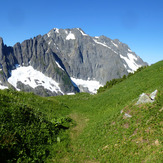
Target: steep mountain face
[64, 61]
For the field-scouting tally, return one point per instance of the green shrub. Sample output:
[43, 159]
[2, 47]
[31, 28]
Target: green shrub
[111, 83]
[25, 133]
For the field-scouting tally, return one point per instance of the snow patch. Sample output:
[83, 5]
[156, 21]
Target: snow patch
[129, 50]
[48, 34]
[125, 65]
[92, 85]
[114, 44]
[103, 44]
[82, 32]
[56, 30]
[2, 86]
[132, 57]
[100, 43]
[49, 42]
[29, 76]
[59, 65]
[114, 51]
[70, 36]
[66, 32]
[72, 93]
[130, 61]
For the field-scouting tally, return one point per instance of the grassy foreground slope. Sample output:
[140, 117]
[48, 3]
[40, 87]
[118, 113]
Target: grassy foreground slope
[105, 134]
[30, 127]
[39, 129]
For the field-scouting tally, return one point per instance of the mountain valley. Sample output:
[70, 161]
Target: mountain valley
[110, 126]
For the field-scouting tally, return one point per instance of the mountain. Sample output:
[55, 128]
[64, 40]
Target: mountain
[65, 61]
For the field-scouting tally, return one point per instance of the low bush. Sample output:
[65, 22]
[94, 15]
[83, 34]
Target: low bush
[25, 133]
[111, 83]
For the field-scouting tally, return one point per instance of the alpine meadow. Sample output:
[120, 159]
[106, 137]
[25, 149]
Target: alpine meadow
[105, 127]
[81, 81]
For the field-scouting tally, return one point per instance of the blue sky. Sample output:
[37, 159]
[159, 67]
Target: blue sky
[138, 23]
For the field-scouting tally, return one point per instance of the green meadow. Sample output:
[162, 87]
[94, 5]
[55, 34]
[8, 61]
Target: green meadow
[84, 127]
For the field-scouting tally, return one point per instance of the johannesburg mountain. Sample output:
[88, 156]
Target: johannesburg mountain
[64, 61]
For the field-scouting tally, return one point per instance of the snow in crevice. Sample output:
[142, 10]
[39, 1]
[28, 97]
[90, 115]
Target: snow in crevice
[92, 85]
[114, 51]
[70, 36]
[56, 30]
[114, 44]
[100, 43]
[59, 65]
[125, 66]
[66, 31]
[82, 32]
[103, 44]
[49, 42]
[29, 76]
[48, 34]
[130, 61]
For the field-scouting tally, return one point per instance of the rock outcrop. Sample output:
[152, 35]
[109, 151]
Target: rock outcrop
[144, 98]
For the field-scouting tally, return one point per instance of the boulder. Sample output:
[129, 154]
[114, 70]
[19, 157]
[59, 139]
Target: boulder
[127, 115]
[144, 98]
[153, 95]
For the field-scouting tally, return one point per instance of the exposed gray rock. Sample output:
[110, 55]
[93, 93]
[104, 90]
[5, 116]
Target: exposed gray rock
[78, 55]
[121, 111]
[41, 91]
[91, 57]
[144, 99]
[161, 109]
[127, 115]
[83, 89]
[153, 95]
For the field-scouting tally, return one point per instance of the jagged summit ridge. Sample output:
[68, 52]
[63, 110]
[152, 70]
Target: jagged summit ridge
[115, 46]
[71, 58]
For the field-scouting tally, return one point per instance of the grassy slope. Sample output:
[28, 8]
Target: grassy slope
[30, 126]
[107, 136]
[101, 133]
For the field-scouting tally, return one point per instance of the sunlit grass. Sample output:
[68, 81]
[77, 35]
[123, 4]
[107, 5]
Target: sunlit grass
[98, 131]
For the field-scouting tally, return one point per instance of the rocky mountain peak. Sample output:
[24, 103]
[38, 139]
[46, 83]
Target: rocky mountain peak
[1, 41]
[70, 58]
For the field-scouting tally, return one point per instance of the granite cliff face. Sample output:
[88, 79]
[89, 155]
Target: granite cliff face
[64, 61]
